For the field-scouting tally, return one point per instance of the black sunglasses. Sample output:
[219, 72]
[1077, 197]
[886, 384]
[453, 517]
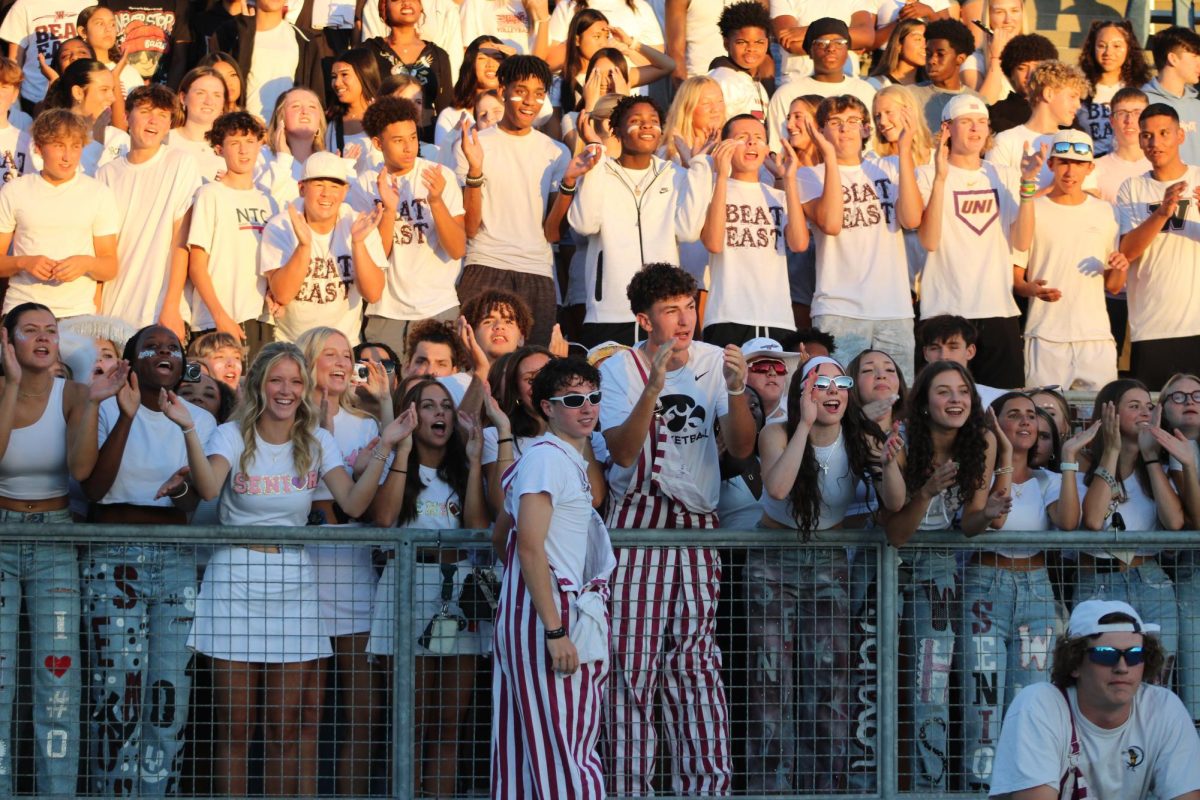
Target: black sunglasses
[1109, 656]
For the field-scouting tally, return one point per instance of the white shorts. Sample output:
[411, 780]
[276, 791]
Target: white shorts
[1079, 366]
[259, 608]
[474, 640]
[346, 586]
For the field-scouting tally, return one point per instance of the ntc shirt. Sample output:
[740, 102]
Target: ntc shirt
[269, 491]
[970, 272]
[749, 275]
[692, 400]
[862, 272]
[329, 295]
[227, 224]
[421, 277]
[1155, 750]
[1073, 264]
[1164, 284]
[154, 451]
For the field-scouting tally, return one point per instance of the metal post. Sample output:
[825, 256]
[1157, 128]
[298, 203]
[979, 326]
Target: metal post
[403, 667]
[887, 682]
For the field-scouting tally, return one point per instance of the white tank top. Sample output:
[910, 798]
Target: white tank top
[836, 484]
[34, 466]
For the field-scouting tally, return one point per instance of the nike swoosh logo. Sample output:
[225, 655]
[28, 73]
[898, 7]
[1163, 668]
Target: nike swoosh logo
[702, 374]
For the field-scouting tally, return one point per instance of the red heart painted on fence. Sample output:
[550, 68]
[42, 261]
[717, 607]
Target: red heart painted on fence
[58, 665]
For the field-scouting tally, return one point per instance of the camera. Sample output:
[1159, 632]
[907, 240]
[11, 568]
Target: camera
[191, 372]
[362, 373]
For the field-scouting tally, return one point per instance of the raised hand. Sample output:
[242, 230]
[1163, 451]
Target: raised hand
[999, 503]
[400, 429]
[1111, 426]
[364, 223]
[471, 148]
[734, 368]
[908, 121]
[808, 402]
[1003, 445]
[352, 151]
[389, 195]
[377, 385]
[894, 444]
[12, 367]
[1074, 446]
[723, 157]
[129, 397]
[174, 409]
[817, 135]
[1031, 163]
[941, 160]
[494, 413]
[46, 69]
[581, 164]
[1147, 443]
[469, 425]
[1177, 445]
[658, 368]
[942, 478]
[327, 410]
[878, 409]
[109, 382]
[299, 224]
[791, 161]
[434, 181]
[558, 343]
[466, 335]
[1170, 201]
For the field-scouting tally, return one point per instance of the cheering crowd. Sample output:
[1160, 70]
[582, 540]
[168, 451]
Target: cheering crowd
[422, 264]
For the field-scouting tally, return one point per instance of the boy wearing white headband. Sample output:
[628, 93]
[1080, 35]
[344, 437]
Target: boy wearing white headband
[1097, 730]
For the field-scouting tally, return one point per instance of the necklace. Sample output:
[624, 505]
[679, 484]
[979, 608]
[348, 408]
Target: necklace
[830, 450]
[639, 186]
[32, 394]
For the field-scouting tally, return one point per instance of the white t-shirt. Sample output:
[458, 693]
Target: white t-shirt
[888, 11]
[34, 210]
[1031, 500]
[862, 272]
[154, 451]
[97, 154]
[329, 295]
[641, 22]
[1008, 146]
[1111, 171]
[1155, 750]
[507, 20]
[352, 433]
[15, 147]
[39, 27]
[421, 277]
[151, 196]
[269, 492]
[970, 272]
[692, 400]
[1073, 264]
[977, 62]
[743, 94]
[1138, 512]
[749, 276]
[227, 224]
[777, 109]
[553, 467]
[439, 507]
[703, 40]
[521, 172]
[272, 68]
[1164, 284]
[208, 163]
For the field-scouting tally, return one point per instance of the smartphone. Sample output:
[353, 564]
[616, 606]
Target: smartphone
[979, 24]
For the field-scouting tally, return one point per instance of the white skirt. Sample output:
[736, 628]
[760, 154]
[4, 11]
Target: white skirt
[259, 608]
[474, 640]
[346, 580]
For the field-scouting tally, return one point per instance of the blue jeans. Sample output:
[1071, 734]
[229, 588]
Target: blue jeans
[932, 612]
[1187, 591]
[1010, 623]
[140, 604]
[48, 574]
[799, 731]
[1148, 589]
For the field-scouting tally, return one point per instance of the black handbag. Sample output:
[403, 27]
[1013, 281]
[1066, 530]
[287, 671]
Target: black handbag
[480, 595]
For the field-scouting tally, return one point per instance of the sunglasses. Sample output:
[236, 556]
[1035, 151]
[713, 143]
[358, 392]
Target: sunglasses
[1183, 397]
[841, 382]
[768, 367]
[576, 400]
[1109, 656]
[1078, 148]
[830, 44]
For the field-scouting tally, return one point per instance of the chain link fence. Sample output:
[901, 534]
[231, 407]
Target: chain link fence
[356, 662]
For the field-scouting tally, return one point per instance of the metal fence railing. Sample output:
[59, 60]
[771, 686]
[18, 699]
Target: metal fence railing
[842, 666]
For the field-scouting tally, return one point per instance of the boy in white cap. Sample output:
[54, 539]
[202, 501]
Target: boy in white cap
[1068, 341]
[313, 255]
[973, 222]
[1097, 730]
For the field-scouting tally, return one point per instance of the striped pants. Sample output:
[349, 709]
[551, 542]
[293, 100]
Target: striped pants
[664, 607]
[545, 726]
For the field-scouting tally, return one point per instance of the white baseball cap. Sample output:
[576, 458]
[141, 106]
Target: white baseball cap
[764, 347]
[1072, 143]
[962, 105]
[1085, 619]
[327, 165]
